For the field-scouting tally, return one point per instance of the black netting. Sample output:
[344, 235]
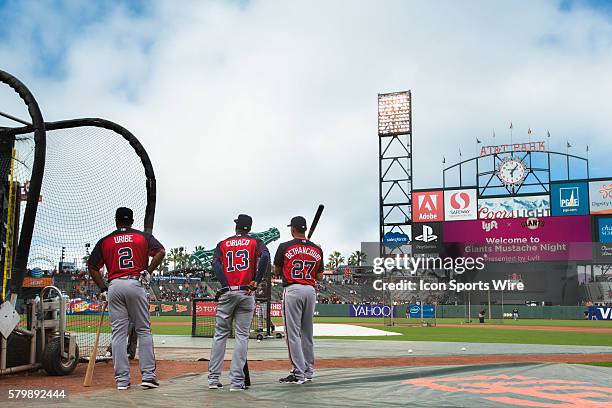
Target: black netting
[16, 158]
[89, 172]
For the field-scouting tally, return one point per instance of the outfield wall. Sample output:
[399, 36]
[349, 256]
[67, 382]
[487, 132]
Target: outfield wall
[376, 311]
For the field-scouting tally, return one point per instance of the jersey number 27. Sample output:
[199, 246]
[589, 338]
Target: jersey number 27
[302, 269]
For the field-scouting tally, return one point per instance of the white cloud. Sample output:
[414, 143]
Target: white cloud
[270, 107]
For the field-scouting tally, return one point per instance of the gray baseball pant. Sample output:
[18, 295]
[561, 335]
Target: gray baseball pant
[127, 303]
[298, 311]
[234, 307]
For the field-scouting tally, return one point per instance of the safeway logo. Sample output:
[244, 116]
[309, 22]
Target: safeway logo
[427, 235]
[460, 201]
[487, 226]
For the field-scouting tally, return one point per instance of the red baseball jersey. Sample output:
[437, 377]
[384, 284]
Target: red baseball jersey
[125, 251]
[237, 256]
[300, 260]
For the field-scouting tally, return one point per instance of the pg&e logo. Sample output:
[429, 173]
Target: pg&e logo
[569, 197]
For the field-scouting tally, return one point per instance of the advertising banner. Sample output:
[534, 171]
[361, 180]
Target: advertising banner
[427, 238]
[513, 207]
[393, 240]
[603, 247]
[206, 308]
[604, 228]
[460, 205]
[600, 197]
[427, 206]
[569, 199]
[276, 310]
[600, 313]
[521, 239]
[78, 306]
[371, 311]
[414, 311]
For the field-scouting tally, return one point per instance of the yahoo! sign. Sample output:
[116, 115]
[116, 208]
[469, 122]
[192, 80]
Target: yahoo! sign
[371, 311]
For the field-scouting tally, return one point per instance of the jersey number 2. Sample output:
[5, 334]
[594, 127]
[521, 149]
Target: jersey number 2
[243, 255]
[125, 258]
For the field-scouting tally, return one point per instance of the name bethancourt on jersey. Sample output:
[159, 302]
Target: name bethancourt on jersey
[237, 242]
[301, 249]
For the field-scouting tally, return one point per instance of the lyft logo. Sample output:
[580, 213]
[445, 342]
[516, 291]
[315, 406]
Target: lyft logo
[487, 226]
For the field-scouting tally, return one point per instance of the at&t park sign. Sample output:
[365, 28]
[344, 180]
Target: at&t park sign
[515, 147]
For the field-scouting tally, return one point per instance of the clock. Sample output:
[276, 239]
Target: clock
[512, 171]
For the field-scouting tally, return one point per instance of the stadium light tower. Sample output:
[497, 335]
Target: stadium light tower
[395, 167]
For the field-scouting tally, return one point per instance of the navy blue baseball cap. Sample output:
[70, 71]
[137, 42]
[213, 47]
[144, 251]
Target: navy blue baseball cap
[299, 223]
[124, 214]
[243, 222]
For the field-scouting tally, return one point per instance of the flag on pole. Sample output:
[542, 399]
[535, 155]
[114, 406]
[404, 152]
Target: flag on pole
[443, 159]
[493, 134]
[478, 141]
[529, 131]
[568, 145]
[587, 148]
[510, 125]
[547, 133]
[459, 152]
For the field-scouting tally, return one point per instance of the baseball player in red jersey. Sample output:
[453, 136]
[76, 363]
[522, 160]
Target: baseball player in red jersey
[240, 263]
[300, 262]
[125, 253]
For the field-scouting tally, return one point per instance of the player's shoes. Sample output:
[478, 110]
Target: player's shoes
[149, 384]
[215, 386]
[291, 379]
[308, 379]
[123, 387]
[239, 388]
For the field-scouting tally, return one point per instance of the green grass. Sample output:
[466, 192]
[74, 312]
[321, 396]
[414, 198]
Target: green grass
[510, 322]
[482, 335]
[451, 334]
[599, 364]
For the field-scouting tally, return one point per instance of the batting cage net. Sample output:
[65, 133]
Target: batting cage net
[16, 157]
[91, 169]
[204, 311]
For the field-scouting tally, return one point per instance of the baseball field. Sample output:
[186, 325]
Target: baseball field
[533, 363]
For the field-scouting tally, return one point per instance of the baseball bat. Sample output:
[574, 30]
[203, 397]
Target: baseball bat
[94, 352]
[315, 220]
[247, 374]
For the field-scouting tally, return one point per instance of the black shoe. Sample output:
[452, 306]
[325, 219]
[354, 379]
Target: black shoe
[149, 384]
[291, 379]
[215, 386]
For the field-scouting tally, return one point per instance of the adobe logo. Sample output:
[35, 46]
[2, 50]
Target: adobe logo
[427, 206]
[428, 203]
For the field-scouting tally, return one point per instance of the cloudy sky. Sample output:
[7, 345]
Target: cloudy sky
[269, 107]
